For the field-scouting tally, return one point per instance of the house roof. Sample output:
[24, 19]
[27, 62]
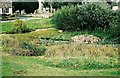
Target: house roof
[5, 4]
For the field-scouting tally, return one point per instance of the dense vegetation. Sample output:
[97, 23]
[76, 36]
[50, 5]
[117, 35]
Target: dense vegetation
[55, 51]
[52, 50]
[88, 17]
[83, 17]
[58, 5]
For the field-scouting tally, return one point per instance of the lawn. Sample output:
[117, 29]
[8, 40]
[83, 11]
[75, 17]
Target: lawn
[38, 66]
[33, 24]
[61, 58]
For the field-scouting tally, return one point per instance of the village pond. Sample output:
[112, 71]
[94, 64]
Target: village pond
[22, 18]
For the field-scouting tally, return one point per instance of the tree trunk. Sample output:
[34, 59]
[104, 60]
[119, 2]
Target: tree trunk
[50, 6]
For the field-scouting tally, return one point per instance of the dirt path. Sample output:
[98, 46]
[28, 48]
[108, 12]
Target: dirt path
[44, 29]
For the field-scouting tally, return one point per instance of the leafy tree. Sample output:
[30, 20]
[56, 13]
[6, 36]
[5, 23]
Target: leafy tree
[58, 5]
[29, 7]
[17, 6]
[90, 16]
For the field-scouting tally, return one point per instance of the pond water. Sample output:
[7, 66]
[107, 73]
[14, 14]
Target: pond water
[22, 18]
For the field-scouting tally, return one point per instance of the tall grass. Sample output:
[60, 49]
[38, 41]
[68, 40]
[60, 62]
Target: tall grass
[70, 49]
[70, 55]
[78, 49]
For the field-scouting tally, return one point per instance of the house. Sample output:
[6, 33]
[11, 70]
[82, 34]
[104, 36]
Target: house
[5, 7]
[115, 5]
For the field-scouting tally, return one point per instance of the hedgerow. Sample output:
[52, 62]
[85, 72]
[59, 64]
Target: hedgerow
[90, 16]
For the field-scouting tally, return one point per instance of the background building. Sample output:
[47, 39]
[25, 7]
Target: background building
[5, 7]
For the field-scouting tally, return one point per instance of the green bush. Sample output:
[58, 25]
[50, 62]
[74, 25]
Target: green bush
[20, 27]
[29, 49]
[88, 16]
[114, 31]
[33, 50]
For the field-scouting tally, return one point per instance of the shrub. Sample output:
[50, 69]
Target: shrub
[65, 18]
[114, 31]
[33, 50]
[20, 27]
[29, 49]
[88, 16]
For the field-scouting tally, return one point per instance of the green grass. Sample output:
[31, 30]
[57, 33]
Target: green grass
[39, 66]
[7, 26]
[54, 62]
[33, 24]
[13, 42]
[46, 23]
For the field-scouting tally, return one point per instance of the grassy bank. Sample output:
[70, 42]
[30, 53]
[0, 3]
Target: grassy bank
[38, 66]
[62, 56]
[67, 58]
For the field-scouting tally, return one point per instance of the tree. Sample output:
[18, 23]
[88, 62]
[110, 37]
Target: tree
[17, 6]
[58, 5]
[29, 7]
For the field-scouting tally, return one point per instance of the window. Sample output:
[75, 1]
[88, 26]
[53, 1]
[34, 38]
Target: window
[5, 10]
